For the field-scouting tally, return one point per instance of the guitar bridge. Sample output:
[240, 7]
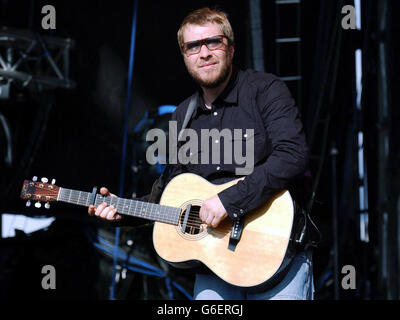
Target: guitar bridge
[237, 228]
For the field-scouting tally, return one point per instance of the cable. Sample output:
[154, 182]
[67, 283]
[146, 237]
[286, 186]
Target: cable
[8, 157]
[169, 288]
[121, 254]
[137, 265]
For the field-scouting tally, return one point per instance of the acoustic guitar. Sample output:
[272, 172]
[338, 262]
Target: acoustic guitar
[179, 236]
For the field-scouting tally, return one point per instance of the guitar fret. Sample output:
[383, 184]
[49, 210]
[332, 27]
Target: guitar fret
[73, 196]
[120, 205]
[165, 213]
[135, 209]
[151, 211]
[144, 206]
[125, 206]
[141, 207]
[130, 204]
[146, 210]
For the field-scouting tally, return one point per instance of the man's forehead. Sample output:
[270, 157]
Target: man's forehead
[193, 32]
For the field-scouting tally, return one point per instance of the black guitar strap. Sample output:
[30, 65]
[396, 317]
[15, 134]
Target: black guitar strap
[159, 184]
[192, 106]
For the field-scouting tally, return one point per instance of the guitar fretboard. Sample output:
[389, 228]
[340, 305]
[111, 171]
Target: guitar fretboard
[129, 207]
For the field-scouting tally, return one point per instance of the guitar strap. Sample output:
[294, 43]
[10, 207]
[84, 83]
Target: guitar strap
[159, 184]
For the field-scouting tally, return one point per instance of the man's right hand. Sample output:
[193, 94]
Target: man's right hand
[105, 211]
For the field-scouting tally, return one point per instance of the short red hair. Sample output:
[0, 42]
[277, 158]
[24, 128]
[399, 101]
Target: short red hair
[207, 15]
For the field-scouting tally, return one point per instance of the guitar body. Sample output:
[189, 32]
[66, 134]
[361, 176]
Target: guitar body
[259, 255]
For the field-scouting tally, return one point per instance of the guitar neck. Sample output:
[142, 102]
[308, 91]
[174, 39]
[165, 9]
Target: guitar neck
[130, 207]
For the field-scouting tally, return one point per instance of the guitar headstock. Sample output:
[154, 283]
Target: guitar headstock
[39, 191]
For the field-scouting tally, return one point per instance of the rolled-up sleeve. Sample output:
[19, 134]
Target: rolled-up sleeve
[288, 159]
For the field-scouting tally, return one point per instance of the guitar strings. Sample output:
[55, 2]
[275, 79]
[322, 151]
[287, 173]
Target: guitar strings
[193, 219]
[171, 209]
[81, 197]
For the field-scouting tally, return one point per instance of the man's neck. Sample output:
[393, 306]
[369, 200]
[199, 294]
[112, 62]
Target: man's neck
[210, 94]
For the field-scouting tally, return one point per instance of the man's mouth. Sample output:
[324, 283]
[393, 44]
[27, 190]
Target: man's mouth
[208, 65]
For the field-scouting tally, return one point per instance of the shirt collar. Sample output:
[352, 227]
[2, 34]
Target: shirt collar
[229, 95]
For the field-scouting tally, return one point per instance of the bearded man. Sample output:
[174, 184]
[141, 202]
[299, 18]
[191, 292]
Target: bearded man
[230, 98]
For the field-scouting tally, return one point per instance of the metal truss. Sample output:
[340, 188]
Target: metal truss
[27, 57]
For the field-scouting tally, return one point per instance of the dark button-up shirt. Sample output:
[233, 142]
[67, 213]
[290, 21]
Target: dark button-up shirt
[261, 104]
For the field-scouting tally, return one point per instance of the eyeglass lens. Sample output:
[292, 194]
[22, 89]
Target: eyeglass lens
[212, 43]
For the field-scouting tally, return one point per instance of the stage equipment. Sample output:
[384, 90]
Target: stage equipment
[125, 139]
[387, 219]
[256, 35]
[26, 57]
[37, 64]
[289, 40]
[324, 81]
[334, 153]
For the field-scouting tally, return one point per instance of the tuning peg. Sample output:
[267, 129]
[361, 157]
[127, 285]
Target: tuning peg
[53, 181]
[47, 205]
[44, 180]
[38, 204]
[28, 203]
[34, 179]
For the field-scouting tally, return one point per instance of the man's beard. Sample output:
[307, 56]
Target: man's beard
[212, 83]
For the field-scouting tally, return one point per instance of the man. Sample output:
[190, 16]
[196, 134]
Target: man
[229, 98]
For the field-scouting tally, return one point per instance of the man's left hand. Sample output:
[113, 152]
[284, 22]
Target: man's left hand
[212, 211]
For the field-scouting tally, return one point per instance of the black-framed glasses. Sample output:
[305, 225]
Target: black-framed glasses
[212, 43]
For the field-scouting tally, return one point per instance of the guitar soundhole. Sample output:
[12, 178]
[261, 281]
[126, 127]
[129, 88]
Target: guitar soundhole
[193, 224]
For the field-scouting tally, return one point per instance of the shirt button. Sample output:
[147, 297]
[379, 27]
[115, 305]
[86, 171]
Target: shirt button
[241, 211]
[235, 215]
[215, 113]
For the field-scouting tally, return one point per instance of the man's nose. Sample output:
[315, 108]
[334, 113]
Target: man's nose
[204, 51]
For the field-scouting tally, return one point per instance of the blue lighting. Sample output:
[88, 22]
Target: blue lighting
[164, 109]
